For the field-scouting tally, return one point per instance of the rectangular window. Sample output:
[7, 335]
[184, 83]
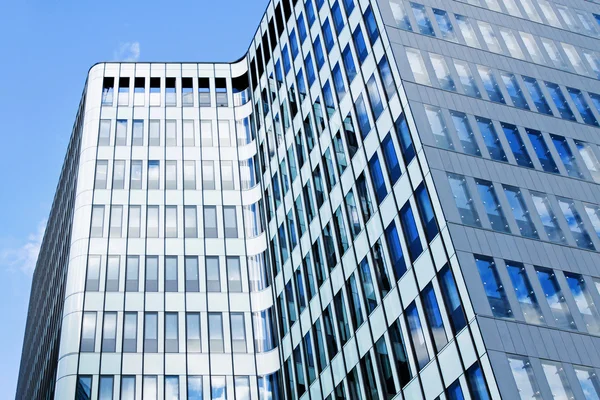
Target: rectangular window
[227, 179]
[536, 94]
[391, 160]
[101, 174]
[584, 302]
[154, 175]
[426, 212]
[191, 274]
[442, 73]
[574, 58]
[192, 327]
[476, 382]
[150, 333]
[511, 43]
[452, 299]
[97, 225]
[138, 133]
[151, 274]
[230, 221]
[544, 210]
[590, 160]
[514, 91]
[560, 101]
[593, 213]
[352, 210]
[434, 317]
[490, 84]
[377, 178]
[152, 222]
[556, 300]
[465, 133]
[171, 221]
[463, 200]
[132, 273]
[489, 37]
[105, 391]
[234, 275]
[555, 55]
[121, 136]
[127, 387]
[238, 333]
[524, 377]
[516, 145]
[564, 151]
[349, 65]
[119, 174]
[109, 332]
[171, 133]
[395, 250]
[92, 283]
[492, 206]
[172, 386]
[130, 332]
[582, 106]
[171, 332]
[575, 223]
[400, 15]
[494, 289]
[520, 212]
[135, 181]
[532, 48]
[557, 379]
[589, 382]
[171, 274]
[150, 388]
[466, 79]
[88, 332]
[524, 293]
[154, 133]
[213, 274]
[438, 127]
[417, 65]
[490, 138]
[210, 222]
[108, 87]
[112, 273]
[215, 332]
[374, 97]
[411, 233]
[190, 222]
[468, 33]
[359, 45]
[416, 335]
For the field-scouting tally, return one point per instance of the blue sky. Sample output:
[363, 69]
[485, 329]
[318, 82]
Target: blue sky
[48, 47]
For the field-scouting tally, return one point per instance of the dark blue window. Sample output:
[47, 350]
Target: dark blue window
[411, 233]
[310, 70]
[301, 28]
[371, 25]
[363, 118]
[465, 133]
[493, 287]
[374, 97]
[476, 382]
[520, 212]
[455, 391]
[349, 63]
[349, 6]
[406, 144]
[359, 44]
[338, 81]
[524, 292]
[395, 250]
[319, 4]
[492, 206]
[490, 138]
[319, 56]
[328, 35]
[328, 97]
[391, 160]
[566, 156]
[301, 84]
[377, 177]
[426, 211]
[516, 145]
[582, 106]
[512, 86]
[423, 21]
[560, 101]
[283, 244]
[278, 73]
[416, 335]
[541, 150]
[490, 84]
[286, 59]
[310, 12]
[83, 391]
[536, 94]
[338, 20]
[292, 229]
[386, 77]
[596, 100]
[452, 299]
[434, 317]
[294, 43]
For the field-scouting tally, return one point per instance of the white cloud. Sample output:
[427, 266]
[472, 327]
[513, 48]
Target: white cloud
[129, 51]
[24, 258]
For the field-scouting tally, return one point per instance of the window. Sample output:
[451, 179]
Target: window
[190, 222]
[172, 387]
[154, 133]
[492, 206]
[349, 63]
[374, 97]
[416, 335]
[359, 45]
[465, 133]
[417, 65]
[132, 274]
[234, 275]
[422, 19]
[477, 383]
[524, 377]
[464, 24]
[404, 138]
[171, 274]
[544, 209]
[171, 133]
[112, 274]
[574, 58]
[511, 43]
[119, 174]
[121, 136]
[434, 317]
[494, 289]
[584, 109]
[383, 360]
[554, 53]
[363, 117]
[150, 389]
[108, 87]
[210, 222]
[442, 73]
[225, 139]
[386, 77]
[524, 293]
[589, 158]
[150, 333]
[391, 160]
[213, 274]
[490, 138]
[151, 274]
[171, 174]
[514, 91]
[138, 133]
[84, 387]
[566, 156]
[466, 79]
[88, 332]
[520, 212]
[489, 37]
[395, 250]
[93, 274]
[188, 133]
[189, 175]
[130, 332]
[444, 24]
[490, 84]
[152, 222]
[101, 174]
[398, 349]
[411, 233]
[557, 379]
[584, 302]
[452, 299]
[238, 333]
[97, 228]
[109, 332]
[377, 177]
[127, 387]
[589, 382]
[560, 101]
[215, 332]
[136, 175]
[554, 296]
[206, 133]
[438, 127]
[593, 213]
[171, 332]
[536, 94]
[208, 175]
[532, 48]
[400, 15]
[230, 221]
[192, 327]
[171, 221]
[153, 175]
[464, 201]
[575, 223]
[516, 145]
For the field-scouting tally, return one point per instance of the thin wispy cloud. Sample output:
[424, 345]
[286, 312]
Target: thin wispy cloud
[25, 257]
[128, 51]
